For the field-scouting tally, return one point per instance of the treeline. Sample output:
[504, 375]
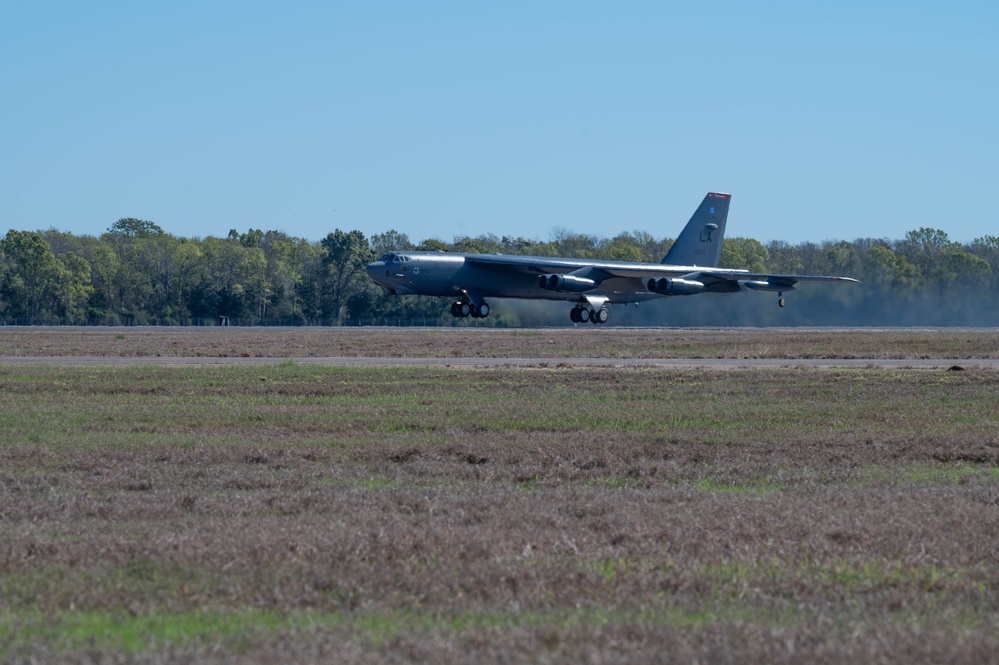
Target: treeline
[137, 274]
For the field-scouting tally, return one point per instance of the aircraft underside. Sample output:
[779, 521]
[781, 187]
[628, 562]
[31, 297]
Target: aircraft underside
[580, 313]
[590, 308]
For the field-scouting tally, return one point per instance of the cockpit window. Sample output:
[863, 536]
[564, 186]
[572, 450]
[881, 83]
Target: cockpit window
[392, 257]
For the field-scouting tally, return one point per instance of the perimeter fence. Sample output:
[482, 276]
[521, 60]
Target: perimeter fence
[391, 322]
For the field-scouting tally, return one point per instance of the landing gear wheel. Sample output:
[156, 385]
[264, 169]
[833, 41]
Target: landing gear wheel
[584, 315]
[574, 315]
[482, 311]
[456, 309]
[780, 300]
[601, 315]
[594, 317]
[464, 309]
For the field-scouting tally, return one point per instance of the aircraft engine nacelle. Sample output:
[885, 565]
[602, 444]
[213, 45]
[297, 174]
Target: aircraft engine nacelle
[674, 286]
[565, 283]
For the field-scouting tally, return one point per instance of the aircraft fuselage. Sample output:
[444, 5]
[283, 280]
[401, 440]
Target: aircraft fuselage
[450, 274]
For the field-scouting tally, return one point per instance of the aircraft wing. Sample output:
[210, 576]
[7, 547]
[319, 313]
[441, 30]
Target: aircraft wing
[599, 271]
[718, 276]
[510, 264]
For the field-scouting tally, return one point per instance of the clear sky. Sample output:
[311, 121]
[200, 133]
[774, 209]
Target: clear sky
[834, 120]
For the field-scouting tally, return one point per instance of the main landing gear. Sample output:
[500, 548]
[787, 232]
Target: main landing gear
[460, 309]
[780, 299]
[582, 314]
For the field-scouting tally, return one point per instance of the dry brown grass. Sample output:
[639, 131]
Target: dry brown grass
[584, 342]
[302, 514]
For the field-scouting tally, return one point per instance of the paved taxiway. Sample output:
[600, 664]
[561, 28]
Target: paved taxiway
[731, 363]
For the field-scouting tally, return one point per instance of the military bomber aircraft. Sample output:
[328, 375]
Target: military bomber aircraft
[690, 267]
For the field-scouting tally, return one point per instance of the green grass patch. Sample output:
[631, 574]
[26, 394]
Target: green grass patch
[760, 486]
[236, 630]
[118, 631]
[63, 406]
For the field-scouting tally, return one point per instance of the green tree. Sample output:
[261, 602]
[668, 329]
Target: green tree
[518, 245]
[965, 270]
[623, 248]
[484, 244]
[928, 240]
[130, 227]
[886, 269]
[744, 253]
[651, 250]
[344, 259]
[142, 288]
[575, 245]
[432, 245]
[842, 259]
[784, 258]
[104, 267]
[73, 288]
[987, 249]
[131, 286]
[389, 241]
[32, 275]
[285, 258]
[925, 248]
[235, 280]
[252, 238]
[189, 274]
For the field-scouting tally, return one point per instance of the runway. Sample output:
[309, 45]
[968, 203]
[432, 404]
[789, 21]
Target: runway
[355, 361]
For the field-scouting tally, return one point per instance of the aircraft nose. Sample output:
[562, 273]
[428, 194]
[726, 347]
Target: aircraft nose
[378, 271]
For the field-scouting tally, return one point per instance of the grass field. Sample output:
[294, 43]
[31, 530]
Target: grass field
[295, 513]
[585, 342]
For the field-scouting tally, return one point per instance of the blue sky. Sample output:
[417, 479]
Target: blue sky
[833, 121]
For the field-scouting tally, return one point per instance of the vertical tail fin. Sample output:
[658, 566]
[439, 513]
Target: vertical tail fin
[699, 244]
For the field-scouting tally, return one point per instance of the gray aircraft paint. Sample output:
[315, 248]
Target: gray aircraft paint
[690, 267]
[699, 244]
